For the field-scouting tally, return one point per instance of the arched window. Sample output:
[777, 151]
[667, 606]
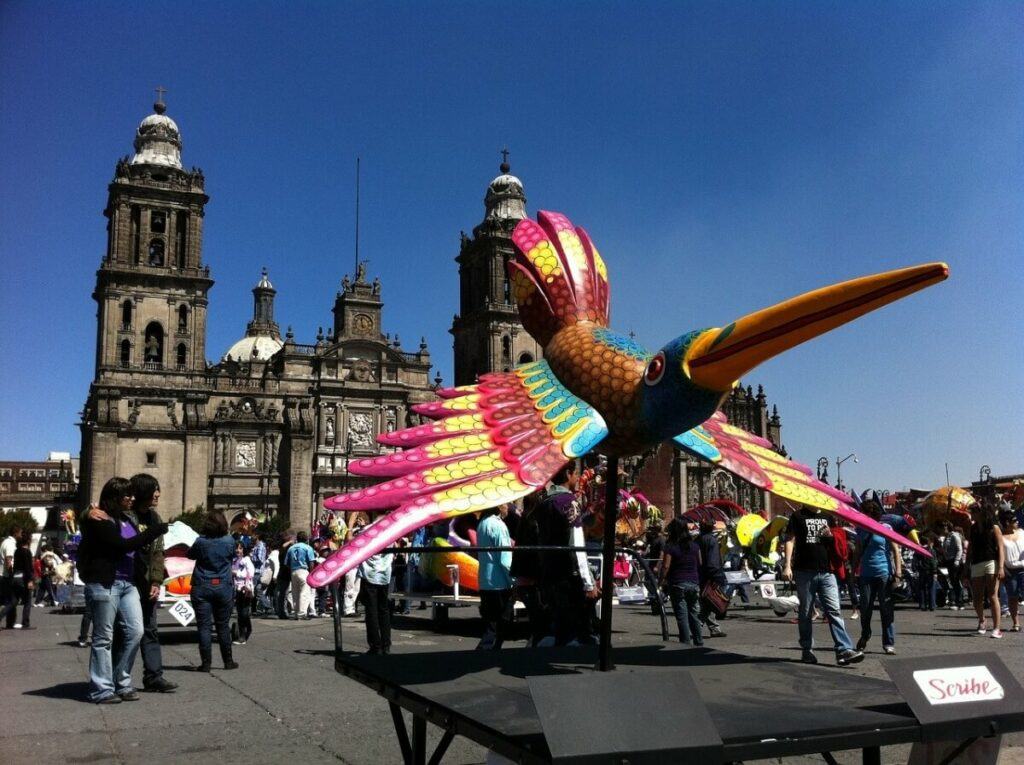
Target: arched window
[126, 353]
[156, 252]
[154, 350]
[126, 315]
[180, 357]
[183, 318]
[506, 347]
[525, 358]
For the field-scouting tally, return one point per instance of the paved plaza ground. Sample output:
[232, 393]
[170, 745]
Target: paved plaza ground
[286, 703]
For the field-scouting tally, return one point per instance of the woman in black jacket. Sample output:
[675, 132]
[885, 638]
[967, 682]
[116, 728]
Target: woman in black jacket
[106, 564]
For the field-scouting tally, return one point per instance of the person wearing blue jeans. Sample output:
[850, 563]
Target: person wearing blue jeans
[808, 562]
[110, 661]
[106, 565]
[213, 592]
[881, 566]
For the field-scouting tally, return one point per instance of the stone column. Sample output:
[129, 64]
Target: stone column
[196, 475]
[300, 482]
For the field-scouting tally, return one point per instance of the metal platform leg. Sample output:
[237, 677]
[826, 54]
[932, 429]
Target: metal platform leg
[403, 735]
[611, 511]
[419, 741]
[872, 755]
[442, 747]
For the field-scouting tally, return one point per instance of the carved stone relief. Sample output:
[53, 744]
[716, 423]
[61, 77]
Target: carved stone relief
[360, 430]
[245, 455]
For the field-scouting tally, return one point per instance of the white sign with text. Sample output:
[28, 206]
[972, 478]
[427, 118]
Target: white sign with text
[183, 612]
[958, 685]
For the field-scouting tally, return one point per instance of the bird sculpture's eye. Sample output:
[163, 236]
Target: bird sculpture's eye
[655, 370]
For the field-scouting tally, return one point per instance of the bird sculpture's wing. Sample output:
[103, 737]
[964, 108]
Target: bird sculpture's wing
[754, 459]
[493, 442]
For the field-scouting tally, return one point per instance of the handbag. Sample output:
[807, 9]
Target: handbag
[714, 596]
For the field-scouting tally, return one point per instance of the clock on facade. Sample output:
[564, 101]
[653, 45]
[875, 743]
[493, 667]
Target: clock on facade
[362, 323]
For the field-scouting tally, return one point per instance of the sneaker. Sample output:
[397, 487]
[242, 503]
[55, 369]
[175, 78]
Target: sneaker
[981, 628]
[855, 615]
[808, 657]
[718, 634]
[161, 685]
[997, 634]
[889, 649]
[110, 700]
[128, 695]
[83, 642]
[952, 608]
[849, 657]
[17, 626]
[237, 642]
[862, 643]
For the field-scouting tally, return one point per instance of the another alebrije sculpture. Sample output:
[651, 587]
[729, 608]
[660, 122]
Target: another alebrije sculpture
[504, 437]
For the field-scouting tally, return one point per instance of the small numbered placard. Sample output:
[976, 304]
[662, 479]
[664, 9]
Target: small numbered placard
[182, 611]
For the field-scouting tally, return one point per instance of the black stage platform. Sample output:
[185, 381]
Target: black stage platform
[761, 708]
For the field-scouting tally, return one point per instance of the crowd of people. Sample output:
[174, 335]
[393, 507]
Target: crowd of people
[121, 562]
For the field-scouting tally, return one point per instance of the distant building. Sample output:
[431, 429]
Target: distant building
[44, 488]
[270, 427]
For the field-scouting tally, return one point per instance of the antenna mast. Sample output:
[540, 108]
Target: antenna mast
[357, 215]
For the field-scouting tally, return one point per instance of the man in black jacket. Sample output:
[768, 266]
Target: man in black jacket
[106, 564]
[149, 576]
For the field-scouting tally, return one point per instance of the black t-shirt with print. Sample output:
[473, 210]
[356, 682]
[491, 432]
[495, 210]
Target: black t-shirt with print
[810, 543]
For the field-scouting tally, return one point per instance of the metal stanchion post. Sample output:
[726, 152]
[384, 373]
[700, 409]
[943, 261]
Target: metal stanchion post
[336, 596]
[611, 514]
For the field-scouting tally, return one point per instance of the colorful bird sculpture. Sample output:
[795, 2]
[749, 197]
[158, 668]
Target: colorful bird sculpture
[506, 436]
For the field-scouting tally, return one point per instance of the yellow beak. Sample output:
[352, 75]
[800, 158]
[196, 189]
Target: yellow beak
[720, 357]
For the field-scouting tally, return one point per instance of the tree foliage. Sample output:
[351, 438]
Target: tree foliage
[20, 518]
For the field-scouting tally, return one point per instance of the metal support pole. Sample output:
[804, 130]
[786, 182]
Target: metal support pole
[611, 514]
[336, 596]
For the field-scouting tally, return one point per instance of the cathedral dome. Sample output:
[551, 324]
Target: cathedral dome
[158, 140]
[505, 198]
[262, 336]
[256, 348]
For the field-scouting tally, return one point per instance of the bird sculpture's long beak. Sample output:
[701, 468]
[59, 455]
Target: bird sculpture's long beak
[720, 357]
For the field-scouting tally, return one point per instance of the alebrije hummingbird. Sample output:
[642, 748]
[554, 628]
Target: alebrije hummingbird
[504, 437]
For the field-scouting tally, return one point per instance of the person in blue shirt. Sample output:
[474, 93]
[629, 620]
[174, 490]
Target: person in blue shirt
[213, 593]
[375, 573]
[300, 559]
[495, 577]
[881, 566]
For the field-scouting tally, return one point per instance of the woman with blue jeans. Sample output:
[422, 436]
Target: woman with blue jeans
[1013, 561]
[680, 568]
[213, 588]
[106, 564]
[881, 566]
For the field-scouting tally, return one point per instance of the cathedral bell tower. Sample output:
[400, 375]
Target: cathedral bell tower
[488, 335]
[151, 287]
[145, 409]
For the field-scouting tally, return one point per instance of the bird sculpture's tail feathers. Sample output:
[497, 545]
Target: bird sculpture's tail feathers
[558, 278]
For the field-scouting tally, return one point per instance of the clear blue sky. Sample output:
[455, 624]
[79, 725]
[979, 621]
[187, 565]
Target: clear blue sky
[723, 156]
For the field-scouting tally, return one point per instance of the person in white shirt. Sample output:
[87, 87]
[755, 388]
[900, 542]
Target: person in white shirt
[8, 598]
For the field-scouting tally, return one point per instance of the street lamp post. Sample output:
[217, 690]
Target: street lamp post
[839, 469]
